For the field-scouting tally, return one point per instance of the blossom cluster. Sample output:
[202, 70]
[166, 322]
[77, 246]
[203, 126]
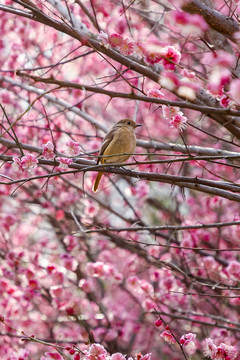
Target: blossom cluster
[94, 352]
[177, 119]
[190, 24]
[172, 113]
[26, 163]
[102, 270]
[30, 161]
[221, 352]
[167, 56]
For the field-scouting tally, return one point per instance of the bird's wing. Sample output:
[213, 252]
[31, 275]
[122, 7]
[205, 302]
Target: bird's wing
[107, 140]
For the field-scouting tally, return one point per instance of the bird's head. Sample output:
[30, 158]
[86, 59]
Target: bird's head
[128, 123]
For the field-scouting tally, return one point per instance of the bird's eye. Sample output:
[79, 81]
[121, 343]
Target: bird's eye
[129, 123]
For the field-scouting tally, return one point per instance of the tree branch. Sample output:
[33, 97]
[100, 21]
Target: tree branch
[114, 94]
[217, 21]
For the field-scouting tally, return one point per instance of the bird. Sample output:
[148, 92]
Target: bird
[120, 142]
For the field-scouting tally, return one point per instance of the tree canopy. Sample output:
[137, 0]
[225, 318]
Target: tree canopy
[147, 267]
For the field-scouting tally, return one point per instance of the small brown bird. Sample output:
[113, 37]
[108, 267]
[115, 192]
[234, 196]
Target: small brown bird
[119, 141]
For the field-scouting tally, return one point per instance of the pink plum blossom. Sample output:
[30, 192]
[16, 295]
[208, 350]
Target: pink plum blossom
[26, 163]
[69, 262]
[71, 242]
[152, 57]
[188, 341]
[187, 338]
[218, 78]
[17, 164]
[132, 280]
[100, 269]
[29, 162]
[169, 80]
[96, 352]
[171, 57]
[85, 285]
[188, 74]
[146, 287]
[143, 357]
[168, 337]
[72, 148]
[209, 348]
[225, 101]
[179, 122]
[126, 47]
[224, 351]
[233, 269]
[20, 354]
[117, 356]
[221, 59]
[221, 352]
[170, 111]
[115, 40]
[176, 117]
[191, 24]
[60, 214]
[48, 150]
[139, 50]
[155, 93]
[64, 163]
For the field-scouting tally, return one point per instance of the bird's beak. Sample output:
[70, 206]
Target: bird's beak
[137, 125]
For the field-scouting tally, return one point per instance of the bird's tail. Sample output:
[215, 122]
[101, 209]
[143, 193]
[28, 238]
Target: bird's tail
[97, 181]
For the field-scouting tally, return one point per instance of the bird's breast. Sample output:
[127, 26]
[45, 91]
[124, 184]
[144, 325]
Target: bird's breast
[123, 144]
